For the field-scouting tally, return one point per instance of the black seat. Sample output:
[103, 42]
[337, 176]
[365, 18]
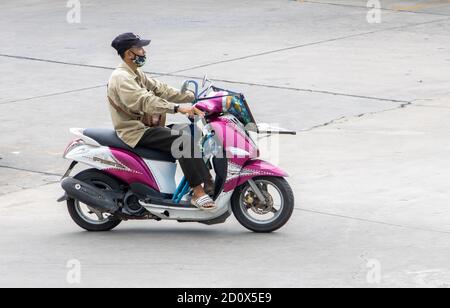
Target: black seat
[109, 138]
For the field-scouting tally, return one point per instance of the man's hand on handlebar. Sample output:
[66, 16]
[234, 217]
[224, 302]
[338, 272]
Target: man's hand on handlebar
[191, 111]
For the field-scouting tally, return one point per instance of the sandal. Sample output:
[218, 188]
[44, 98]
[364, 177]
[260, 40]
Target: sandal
[204, 203]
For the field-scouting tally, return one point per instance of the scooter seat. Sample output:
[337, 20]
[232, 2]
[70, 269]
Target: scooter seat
[109, 138]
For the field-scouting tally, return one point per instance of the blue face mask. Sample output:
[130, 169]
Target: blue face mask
[139, 60]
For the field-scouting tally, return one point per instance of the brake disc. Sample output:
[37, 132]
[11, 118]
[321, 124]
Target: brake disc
[253, 203]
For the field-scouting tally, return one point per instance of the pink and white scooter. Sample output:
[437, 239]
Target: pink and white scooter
[130, 184]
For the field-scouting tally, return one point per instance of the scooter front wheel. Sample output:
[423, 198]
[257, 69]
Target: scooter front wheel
[267, 216]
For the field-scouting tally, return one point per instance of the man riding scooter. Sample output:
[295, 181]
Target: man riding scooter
[139, 105]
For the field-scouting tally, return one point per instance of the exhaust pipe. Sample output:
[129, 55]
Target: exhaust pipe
[90, 195]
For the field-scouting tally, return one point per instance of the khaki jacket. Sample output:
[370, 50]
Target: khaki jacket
[141, 95]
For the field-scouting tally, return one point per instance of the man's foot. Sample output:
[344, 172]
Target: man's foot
[204, 203]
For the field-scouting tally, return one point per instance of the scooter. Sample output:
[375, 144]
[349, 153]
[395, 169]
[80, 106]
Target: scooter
[125, 183]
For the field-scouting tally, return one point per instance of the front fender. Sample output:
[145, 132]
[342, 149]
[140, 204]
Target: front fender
[257, 167]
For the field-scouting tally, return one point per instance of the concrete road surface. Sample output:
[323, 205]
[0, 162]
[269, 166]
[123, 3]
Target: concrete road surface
[369, 166]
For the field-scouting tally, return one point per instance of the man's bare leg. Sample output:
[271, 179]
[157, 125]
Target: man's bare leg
[209, 186]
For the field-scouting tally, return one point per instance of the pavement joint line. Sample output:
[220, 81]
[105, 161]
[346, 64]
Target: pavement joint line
[313, 91]
[154, 74]
[348, 118]
[432, 106]
[307, 45]
[334, 121]
[55, 61]
[27, 188]
[298, 209]
[174, 73]
[31, 171]
[365, 8]
[51, 94]
[371, 221]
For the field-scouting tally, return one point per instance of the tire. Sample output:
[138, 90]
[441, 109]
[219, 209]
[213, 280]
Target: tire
[97, 178]
[278, 221]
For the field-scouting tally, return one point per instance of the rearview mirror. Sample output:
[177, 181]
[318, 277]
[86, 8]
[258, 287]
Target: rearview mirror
[205, 79]
[184, 86]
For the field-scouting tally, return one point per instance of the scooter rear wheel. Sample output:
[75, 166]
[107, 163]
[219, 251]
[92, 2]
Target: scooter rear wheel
[257, 216]
[82, 214]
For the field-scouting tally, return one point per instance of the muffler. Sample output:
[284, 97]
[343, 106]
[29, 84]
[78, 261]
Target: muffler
[101, 200]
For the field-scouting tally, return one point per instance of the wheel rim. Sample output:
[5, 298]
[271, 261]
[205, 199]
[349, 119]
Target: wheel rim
[89, 214]
[255, 211]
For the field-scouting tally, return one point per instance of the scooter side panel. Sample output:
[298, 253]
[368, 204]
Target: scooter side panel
[164, 175]
[122, 164]
[134, 169]
[239, 148]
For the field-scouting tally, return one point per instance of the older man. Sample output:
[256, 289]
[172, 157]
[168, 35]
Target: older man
[138, 105]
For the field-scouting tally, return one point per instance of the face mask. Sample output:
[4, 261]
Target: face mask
[139, 60]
